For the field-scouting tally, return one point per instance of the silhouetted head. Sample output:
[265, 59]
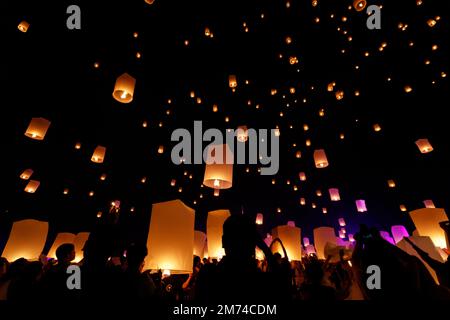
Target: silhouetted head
[65, 253]
[239, 237]
[4, 264]
[136, 254]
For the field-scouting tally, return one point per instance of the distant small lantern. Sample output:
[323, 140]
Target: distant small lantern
[232, 81]
[277, 132]
[350, 237]
[78, 145]
[298, 154]
[376, 127]
[313, 205]
[424, 145]
[302, 201]
[330, 87]
[66, 191]
[391, 183]
[259, 219]
[23, 26]
[99, 154]
[320, 158]
[324, 210]
[359, 5]
[341, 222]
[361, 205]
[308, 142]
[103, 177]
[306, 241]
[32, 186]
[291, 223]
[173, 182]
[37, 128]
[216, 192]
[99, 214]
[161, 149]
[150, 1]
[302, 176]
[341, 234]
[403, 208]
[339, 95]
[334, 194]
[242, 134]
[429, 204]
[124, 88]
[26, 174]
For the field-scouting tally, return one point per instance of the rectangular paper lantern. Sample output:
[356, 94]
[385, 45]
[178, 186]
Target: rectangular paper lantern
[334, 194]
[361, 205]
[427, 221]
[199, 243]
[37, 128]
[170, 241]
[290, 237]
[399, 232]
[214, 231]
[219, 167]
[78, 240]
[322, 235]
[386, 236]
[429, 204]
[26, 240]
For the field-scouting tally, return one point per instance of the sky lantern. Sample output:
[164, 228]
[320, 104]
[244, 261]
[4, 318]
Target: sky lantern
[259, 219]
[78, 240]
[341, 222]
[161, 149]
[150, 1]
[398, 233]
[341, 234]
[427, 221]
[232, 82]
[302, 201]
[310, 250]
[334, 194]
[26, 240]
[429, 204]
[339, 95]
[306, 241]
[32, 186]
[424, 145]
[124, 88]
[219, 167]
[291, 223]
[23, 26]
[37, 128]
[403, 208]
[391, 183]
[361, 205]
[302, 176]
[322, 236]
[199, 243]
[320, 158]
[242, 133]
[359, 5]
[376, 127]
[99, 154]
[214, 232]
[170, 239]
[26, 174]
[386, 236]
[290, 237]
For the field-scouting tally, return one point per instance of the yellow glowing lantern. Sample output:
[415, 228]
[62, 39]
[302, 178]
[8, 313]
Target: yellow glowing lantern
[319, 193]
[66, 191]
[302, 201]
[429, 204]
[277, 132]
[216, 192]
[78, 146]
[339, 95]
[259, 219]
[26, 240]
[219, 167]
[408, 89]
[322, 236]
[424, 145]
[199, 243]
[242, 134]
[23, 26]
[214, 231]
[324, 210]
[288, 40]
[427, 221]
[26, 174]
[161, 149]
[391, 183]
[308, 142]
[37, 128]
[359, 5]
[290, 237]
[403, 208]
[273, 92]
[215, 108]
[32, 186]
[302, 176]
[431, 22]
[298, 154]
[320, 158]
[376, 127]
[150, 1]
[99, 154]
[173, 182]
[341, 222]
[232, 81]
[103, 177]
[334, 194]
[330, 86]
[124, 88]
[77, 240]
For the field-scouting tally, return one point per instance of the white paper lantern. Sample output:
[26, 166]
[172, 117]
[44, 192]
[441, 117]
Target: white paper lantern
[214, 232]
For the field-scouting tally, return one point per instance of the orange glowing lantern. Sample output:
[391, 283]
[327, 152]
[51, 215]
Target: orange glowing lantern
[242, 133]
[214, 231]
[99, 154]
[26, 174]
[124, 88]
[77, 240]
[219, 167]
[32, 186]
[37, 128]
[23, 26]
[290, 237]
[424, 145]
[322, 236]
[427, 222]
[429, 204]
[334, 194]
[232, 81]
[391, 183]
[359, 5]
[259, 219]
[199, 243]
[302, 176]
[320, 158]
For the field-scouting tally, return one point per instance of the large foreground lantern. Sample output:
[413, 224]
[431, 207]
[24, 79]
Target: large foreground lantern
[242, 133]
[199, 243]
[214, 232]
[427, 221]
[424, 145]
[322, 236]
[26, 240]
[334, 194]
[219, 167]
[32, 186]
[320, 158]
[170, 239]
[290, 237]
[78, 240]
[99, 154]
[37, 128]
[361, 205]
[398, 233]
[124, 88]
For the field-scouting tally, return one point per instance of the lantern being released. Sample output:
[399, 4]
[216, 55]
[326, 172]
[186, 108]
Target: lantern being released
[290, 237]
[99, 154]
[26, 174]
[214, 231]
[361, 205]
[77, 240]
[23, 26]
[320, 158]
[170, 239]
[259, 219]
[124, 88]
[37, 128]
[219, 167]
[322, 236]
[32, 186]
[199, 243]
[26, 240]
[334, 194]
[427, 222]
[424, 145]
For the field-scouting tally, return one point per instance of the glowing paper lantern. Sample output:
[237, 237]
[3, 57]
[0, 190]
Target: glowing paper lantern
[306, 241]
[199, 243]
[99, 154]
[310, 250]
[403, 208]
[320, 158]
[391, 183]
[424, 145]
[322, 236]
[37, 128]
[376, 127]
[291, 223]
[26, 174]
[26, 240]
[259, 219]
[232, 82]
[268, 239]
[398, 233]
[429, 204]
[302, 176]
[290, 237]
[242, 134]
[350, 237]
[32, 186]
[170, 239]
[427, 221]
[341, 222]
[259, 254]
[150, 1]
[219, 167]
[124, 88]
[339, 95]
[302, 201]
[386, 236]
[334, 194]
[214, 232]
[23, 26]
[359, 5]
[361, 205]
[77, 240]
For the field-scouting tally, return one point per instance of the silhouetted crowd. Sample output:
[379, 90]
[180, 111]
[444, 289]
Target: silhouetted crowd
[110, 273]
